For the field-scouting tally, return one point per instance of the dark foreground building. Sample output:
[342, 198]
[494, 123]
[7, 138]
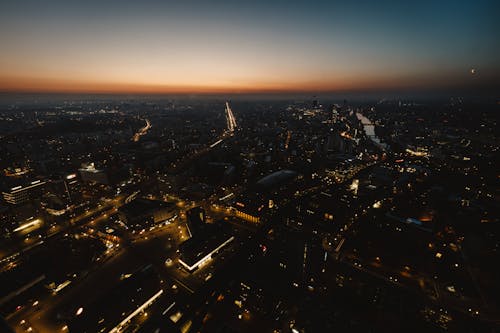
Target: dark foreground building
[143, 213]
[203, 246]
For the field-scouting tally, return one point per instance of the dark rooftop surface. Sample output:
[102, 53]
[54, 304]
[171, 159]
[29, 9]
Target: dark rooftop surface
[114, 305]
[276, 179]
[203, 243]
[141, 206]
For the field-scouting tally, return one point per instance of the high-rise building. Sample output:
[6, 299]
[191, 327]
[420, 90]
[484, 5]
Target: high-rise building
[72, 187]
[196, 219]
[315, 103]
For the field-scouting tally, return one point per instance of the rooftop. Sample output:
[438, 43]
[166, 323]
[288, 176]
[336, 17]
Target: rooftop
[141, 206]
[201, 246]
[276, 179]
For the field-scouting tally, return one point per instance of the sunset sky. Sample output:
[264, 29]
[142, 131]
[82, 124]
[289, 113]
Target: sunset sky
[252, 46]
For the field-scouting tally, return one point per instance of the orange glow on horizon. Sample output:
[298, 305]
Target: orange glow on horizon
[41, 85]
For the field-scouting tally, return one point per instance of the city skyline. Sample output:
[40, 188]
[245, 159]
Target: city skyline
[223, 166]
[223, 47]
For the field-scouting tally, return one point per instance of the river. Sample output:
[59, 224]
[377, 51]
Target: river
[369, 129]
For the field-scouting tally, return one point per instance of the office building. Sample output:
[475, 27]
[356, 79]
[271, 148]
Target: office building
[23, 193]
